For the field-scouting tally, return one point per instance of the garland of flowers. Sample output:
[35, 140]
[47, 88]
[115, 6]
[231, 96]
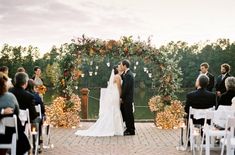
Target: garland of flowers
[165, 71]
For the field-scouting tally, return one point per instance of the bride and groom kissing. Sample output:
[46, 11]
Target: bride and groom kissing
[115, 105]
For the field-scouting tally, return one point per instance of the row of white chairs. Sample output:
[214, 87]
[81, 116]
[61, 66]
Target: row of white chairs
[219, 116]
[25, 120]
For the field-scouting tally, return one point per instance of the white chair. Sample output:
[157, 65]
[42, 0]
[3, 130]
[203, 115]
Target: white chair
[195, 132]
[25, 120]
[210, 131]
[10, 122]
[229, 139]
[39, 110]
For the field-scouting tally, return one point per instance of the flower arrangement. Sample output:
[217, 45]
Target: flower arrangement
[63, 112]
[156, 104]
[41, 89]
[167, 116]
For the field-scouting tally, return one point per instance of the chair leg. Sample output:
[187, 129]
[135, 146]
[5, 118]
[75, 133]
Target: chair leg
[207, 145]
[222, 150]
[13, 148]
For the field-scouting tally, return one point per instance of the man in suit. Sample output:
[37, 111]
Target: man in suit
[220, 82]
[127, 97]
[200, 98]
[24, 98]
[204, 67]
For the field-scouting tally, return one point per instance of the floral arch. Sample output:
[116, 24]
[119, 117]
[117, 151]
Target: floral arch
[161, 65]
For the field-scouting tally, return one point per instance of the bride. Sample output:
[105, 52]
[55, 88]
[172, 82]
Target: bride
[110, 120]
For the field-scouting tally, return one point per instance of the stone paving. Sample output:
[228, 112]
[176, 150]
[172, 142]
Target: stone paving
[148, 141]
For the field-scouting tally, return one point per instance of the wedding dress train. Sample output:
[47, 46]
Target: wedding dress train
[110, 120]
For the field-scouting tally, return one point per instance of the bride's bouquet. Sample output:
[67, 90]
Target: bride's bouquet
[42, 89]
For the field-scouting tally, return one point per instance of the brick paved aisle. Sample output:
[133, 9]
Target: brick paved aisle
[148, 141]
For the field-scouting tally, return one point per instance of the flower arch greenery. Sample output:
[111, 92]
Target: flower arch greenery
[161, 63]
[75, 59]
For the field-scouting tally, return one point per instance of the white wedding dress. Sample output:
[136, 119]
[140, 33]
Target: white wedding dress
[110, 120]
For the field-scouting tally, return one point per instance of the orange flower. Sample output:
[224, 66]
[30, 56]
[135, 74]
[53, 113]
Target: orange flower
[42, 89]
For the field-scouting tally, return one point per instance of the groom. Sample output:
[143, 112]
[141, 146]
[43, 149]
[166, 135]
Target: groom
[127, 97]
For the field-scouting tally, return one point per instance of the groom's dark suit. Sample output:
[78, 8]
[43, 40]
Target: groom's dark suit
[127, 99]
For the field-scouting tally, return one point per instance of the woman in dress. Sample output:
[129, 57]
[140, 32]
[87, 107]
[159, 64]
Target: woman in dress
[37, 79]
[110, 120]
[37, 76]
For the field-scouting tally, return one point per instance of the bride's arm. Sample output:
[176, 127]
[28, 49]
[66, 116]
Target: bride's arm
[119, 85]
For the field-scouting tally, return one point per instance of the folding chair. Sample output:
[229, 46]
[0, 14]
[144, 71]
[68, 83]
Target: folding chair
[229, 139]
[39, 110]
[25, 121]
[192, 131]
[10, 122]
[210, 131]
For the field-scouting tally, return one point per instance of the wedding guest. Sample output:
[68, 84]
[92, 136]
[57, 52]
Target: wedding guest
[24, 98]
[38, 81]
[21, 69]
[200, 98]
[204, 67]
[37, 76]
[220, 82]
[5, 70]
[8, 107]
[226, 98]
[33, 90]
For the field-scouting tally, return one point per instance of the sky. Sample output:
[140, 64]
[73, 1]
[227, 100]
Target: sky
[44, 23]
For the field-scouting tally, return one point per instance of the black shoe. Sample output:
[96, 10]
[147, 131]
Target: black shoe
[128, 133]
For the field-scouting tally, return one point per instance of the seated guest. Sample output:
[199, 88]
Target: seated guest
[33, 90]
[5, 70]
[8, 107]
[200, 98]
[21, 69]
[24, 98]
[226, 98]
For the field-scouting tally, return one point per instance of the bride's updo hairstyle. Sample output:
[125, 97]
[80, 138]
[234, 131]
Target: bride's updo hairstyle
[115, 68]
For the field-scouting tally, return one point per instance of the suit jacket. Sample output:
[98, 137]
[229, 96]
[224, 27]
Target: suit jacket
[210, 86]
[200, 99]
[220, 83]
[127, 87]
[25, 100]
[226, 98]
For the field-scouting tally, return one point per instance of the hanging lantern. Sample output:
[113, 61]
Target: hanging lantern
[108, 64]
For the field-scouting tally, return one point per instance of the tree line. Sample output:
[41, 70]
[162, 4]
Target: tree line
[191, 56]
